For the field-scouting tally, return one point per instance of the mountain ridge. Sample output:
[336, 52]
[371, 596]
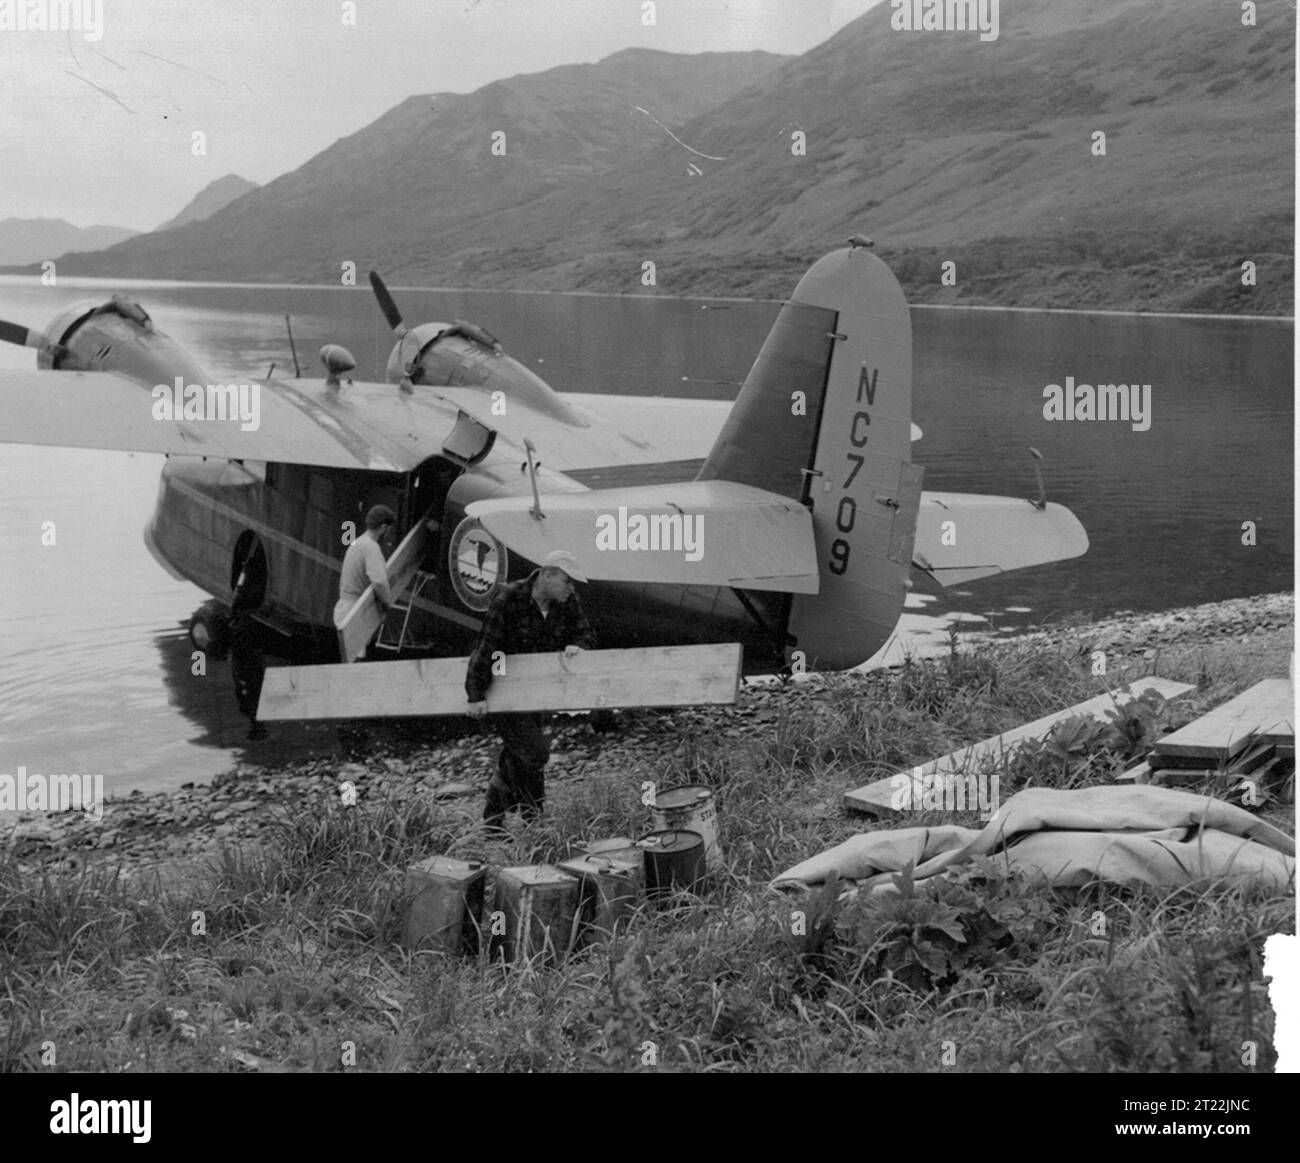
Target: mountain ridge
[216, 195]
[944, 148]
[31, 240]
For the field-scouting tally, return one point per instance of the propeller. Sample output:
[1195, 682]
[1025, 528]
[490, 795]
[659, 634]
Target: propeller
[22, 336]
[400, 329]
[387, 306]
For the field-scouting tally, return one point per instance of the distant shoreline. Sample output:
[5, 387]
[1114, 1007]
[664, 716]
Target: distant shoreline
[1025, 292]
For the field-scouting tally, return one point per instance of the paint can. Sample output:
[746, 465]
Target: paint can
[539, 906]
[690, 808]
[446, 904]
[611, 890]
[674, 860]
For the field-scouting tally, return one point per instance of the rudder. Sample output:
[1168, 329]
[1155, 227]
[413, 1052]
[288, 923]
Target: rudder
[825, 416]
[865, 489]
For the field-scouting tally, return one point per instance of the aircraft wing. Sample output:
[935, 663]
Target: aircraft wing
[711, 533]
[106, 410]
[683, 429]
[961, 537]
[364, 425]
[616, 430]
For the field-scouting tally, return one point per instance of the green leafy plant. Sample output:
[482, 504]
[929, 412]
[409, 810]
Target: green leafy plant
[1084, 749]
[927, 936]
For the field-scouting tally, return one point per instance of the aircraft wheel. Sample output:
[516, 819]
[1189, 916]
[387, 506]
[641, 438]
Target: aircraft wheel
[210, 629]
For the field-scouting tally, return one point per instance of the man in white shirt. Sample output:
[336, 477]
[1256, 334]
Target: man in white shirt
[364, 564]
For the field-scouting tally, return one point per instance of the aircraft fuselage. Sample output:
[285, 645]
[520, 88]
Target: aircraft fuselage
[305, 516]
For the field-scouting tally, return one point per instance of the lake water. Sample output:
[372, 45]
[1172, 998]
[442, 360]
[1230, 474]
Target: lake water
[94, 664]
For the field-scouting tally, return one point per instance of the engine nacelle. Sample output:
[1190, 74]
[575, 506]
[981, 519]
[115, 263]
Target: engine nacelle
[461, 355]
[118, 336]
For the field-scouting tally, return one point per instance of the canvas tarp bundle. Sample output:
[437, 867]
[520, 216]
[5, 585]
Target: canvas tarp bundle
[1153, 835]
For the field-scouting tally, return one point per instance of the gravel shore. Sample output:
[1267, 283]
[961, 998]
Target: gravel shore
[144, 831]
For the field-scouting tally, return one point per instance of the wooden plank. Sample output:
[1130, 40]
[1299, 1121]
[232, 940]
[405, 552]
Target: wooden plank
[1177, 776]
[1277, 713]
[1245, 761]
[655, 676]
[1139, 774]
[1266, 709]
[877, 798]
[365, 617]
[1183, 776]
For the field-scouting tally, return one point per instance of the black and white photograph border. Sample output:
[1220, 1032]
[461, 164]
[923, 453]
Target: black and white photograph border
[648, 536]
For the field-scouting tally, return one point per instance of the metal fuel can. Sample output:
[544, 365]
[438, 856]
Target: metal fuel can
[611, 891]
[674, 860]
[619, 849]
[690, 808]
[539, 903]
[446, 904]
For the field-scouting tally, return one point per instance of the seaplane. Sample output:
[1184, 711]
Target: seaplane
[788, 521]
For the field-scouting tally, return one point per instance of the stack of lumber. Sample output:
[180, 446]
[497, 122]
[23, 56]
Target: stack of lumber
[1250, 739]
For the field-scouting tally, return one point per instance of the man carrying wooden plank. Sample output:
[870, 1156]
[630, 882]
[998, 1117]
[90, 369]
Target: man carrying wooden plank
[364, 564]
[536, 614]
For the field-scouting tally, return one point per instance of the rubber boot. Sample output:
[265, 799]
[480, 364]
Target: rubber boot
[499, 801]
[533, 801]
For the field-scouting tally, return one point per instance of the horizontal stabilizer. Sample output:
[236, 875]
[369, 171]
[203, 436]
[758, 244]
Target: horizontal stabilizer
[656, 676]
[708, 533]
[961, 537]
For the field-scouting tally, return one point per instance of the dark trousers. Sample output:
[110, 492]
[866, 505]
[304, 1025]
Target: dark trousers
[247, 663]
[520, 780]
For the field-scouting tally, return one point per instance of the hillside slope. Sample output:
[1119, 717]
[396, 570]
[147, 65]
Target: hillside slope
[27, 240]
[412, 187]
[213, 197]
[941, 146]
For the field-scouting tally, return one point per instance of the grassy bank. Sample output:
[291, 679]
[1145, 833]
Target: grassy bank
[287, 956]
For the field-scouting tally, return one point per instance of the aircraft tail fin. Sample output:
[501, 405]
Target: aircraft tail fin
[824, 416]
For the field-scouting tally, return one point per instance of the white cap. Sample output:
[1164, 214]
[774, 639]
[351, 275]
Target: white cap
[563, 559]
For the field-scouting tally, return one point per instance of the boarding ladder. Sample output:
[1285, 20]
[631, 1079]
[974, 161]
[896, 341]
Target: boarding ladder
[392, 636]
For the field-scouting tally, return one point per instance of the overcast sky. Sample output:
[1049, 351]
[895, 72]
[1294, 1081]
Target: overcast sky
[99, 131]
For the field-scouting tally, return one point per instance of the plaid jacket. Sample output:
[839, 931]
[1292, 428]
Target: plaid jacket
[514, 625]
